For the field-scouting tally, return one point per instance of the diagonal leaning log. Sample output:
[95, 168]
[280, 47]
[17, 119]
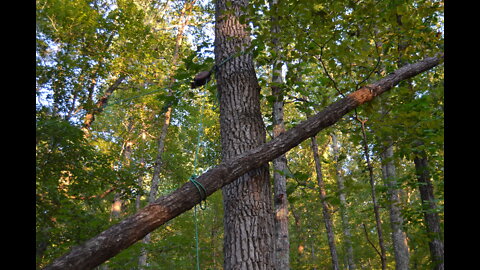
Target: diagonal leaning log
[128, 231]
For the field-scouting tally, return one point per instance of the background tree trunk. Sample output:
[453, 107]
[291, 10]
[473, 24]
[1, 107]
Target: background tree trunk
[125, 158]
[325, 209]
[343, 205]
[248, 213]
[399, 238]
[432, 219]
[166, 123]
[280, 202]
[376, 207]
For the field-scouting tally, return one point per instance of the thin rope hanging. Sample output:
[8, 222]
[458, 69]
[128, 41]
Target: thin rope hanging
[199, 186]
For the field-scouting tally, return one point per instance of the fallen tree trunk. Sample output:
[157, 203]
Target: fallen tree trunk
[128, 231]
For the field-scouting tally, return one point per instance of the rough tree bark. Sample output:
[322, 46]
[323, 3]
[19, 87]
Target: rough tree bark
[131, 229]
[431, 217]
[280, 202]
[325, 209]
[248, 213]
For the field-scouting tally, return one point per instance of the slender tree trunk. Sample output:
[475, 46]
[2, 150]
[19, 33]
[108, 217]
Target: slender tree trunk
[143, 255]
[142, 260]
[214, 234]
[168, 113]
[343, 205]
[131, 229]
[282, 243]
[399, 238]
[376, 208]
[248, 213]
[280, 202]
[166, 123]
[325, 208]
[158, 160]
[432, 219]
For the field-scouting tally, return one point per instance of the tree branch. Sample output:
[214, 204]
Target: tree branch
[102, 102]
[369, 241]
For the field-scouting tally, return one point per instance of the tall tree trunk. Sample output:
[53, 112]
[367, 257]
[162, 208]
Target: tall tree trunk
[432, 219]
[128, 231]
[399, 238]
[248, 213]
[280, 202]
[343, 205]
[325, 208]
[158, 159]
[143, 255]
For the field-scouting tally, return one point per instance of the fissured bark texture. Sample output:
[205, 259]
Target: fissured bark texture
[248, 218]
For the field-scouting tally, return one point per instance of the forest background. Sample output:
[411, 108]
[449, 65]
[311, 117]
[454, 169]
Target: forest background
[117, 125]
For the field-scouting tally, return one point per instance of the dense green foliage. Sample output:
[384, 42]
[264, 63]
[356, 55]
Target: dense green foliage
[330, 48]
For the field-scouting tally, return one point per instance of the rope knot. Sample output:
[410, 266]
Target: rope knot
[201, 189]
